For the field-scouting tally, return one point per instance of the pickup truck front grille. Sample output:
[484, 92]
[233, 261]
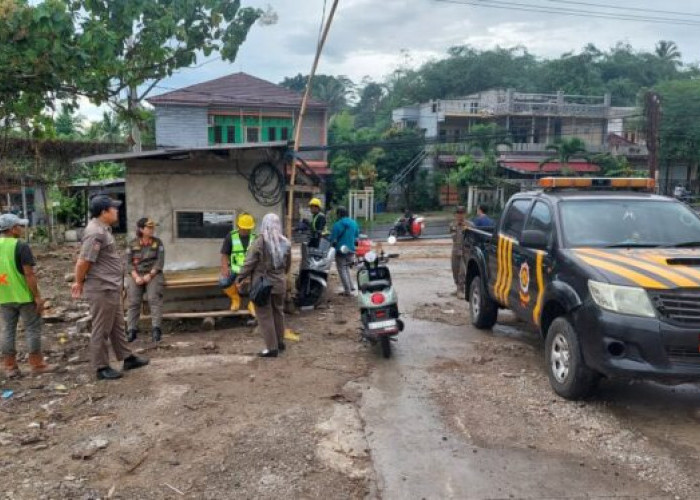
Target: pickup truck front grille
[679, 307]
[683, 355]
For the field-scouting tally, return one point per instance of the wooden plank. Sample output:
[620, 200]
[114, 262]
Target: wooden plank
[206, 314]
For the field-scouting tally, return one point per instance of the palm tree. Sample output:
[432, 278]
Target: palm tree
[112, 130]
[565, 150]
[668, 51]
[486, 138]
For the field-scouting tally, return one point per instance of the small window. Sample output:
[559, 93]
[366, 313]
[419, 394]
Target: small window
[252, 134]
[218, 133]
[473, 107]
[203, 225]
[434, 107]
[284, 134]
[515, 218]
[540, 219]
[271, 134]
[230, 134]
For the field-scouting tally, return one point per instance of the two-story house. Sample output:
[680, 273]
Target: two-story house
[239, 109]
[531, 121]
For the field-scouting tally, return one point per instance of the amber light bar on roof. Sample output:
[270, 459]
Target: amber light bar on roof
[597, 182]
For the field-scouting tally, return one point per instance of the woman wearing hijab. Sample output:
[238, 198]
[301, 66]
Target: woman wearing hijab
[269, 255]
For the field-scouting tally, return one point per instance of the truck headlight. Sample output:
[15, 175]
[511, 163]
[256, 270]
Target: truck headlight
[621, 299]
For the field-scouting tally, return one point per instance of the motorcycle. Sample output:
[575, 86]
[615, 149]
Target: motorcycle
[378, 302]
[315, 266]
[362, 246]
[414, 229]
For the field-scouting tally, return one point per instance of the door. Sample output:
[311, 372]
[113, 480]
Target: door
[528, 289]
[506, 244]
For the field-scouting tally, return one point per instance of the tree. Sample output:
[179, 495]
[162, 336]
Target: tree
[565, 150]
[668, 51]
[67, 124]
[369, 104]
[679, 131]
[336, 91]
[103, 49]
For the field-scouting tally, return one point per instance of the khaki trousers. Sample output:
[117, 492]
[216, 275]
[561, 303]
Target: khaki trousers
[154, 294]
[107, 328]
[271, 321]
[459, 273]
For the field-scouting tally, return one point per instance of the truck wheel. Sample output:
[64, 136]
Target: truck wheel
[482, 309]
[568, 374]
[385, 343]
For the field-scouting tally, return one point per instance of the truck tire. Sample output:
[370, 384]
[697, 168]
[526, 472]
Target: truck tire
[568, 374]
[482, 309]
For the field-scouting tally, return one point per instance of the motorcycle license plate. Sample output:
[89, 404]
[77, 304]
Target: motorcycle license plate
[382, 325]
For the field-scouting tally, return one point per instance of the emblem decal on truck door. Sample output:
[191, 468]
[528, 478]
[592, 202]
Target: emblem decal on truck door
[524, 275]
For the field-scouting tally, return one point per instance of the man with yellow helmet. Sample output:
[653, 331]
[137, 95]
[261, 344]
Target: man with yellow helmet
[234, 248]
[318, 222]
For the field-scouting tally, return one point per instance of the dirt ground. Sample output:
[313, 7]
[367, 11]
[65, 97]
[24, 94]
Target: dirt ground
[207, 418]
[501, 398]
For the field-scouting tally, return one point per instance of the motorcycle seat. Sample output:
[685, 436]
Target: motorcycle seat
[375, 285]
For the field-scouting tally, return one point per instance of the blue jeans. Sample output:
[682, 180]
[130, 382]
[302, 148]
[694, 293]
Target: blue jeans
[10, 314]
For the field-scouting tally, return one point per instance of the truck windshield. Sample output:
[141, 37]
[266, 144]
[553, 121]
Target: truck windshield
[628, 223]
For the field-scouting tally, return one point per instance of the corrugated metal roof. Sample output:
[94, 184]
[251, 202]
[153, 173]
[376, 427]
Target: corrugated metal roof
[533, 167]
[238, 89]
[167, 152]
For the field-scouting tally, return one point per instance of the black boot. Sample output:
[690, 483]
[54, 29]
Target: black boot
[281, 345]
[134, 362]
[131, 335]
[108, 373]
[156, 334]
[267, 353]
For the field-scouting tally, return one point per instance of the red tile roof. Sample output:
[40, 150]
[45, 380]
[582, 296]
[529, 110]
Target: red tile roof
[238, 89]
[533, 167]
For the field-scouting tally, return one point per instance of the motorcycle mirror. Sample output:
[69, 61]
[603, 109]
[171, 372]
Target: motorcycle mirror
[391, 240]
[370, 257]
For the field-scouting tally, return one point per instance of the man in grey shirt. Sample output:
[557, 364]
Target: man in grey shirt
[99, 274]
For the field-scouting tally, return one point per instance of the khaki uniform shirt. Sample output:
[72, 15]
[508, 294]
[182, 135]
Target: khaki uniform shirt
[99, 247]
[457, 230]
[258, 262]
[144, 258]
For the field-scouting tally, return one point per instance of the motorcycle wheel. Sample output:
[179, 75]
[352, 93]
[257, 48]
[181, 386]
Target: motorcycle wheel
[385, 344]
[316, 293]
[392, 232]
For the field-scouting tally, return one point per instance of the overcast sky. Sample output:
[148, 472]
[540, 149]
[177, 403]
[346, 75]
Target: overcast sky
[368, 37]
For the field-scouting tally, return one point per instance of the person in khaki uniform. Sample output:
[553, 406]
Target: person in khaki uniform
[99, 275]
[458, 272]
[269, 255]
[145, 258]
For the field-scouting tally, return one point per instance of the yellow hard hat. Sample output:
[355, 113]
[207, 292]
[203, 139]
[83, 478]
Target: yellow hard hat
[245, 221]
[315, 202]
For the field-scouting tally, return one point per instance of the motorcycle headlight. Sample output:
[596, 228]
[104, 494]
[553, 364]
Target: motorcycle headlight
[621, 299]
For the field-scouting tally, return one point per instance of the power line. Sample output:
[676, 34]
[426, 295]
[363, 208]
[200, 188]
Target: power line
[636, 9]
[502, 5]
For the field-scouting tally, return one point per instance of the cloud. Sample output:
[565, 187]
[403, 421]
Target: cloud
[368, 36]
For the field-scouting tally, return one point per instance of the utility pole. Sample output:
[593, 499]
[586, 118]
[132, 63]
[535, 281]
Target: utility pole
[300, 119]
[652, 112]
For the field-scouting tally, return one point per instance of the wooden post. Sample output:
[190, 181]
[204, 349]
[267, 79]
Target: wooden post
[299, 124]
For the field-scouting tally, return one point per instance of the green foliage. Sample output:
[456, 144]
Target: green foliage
[616, 166]
[469, 172]
[60, 49]
[67, 124]
[679, 133]
[564, 151]
[336, 91]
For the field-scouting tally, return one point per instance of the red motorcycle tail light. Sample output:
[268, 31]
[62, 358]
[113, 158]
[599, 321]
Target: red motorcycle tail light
[380, 314]
[377, 298]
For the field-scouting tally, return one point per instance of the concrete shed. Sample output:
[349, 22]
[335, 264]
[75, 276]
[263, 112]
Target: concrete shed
[195, 194]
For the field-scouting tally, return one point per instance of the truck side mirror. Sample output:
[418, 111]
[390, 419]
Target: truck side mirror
[534, 239]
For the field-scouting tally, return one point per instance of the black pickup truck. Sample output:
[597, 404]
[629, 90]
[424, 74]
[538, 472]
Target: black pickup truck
[611, 278]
